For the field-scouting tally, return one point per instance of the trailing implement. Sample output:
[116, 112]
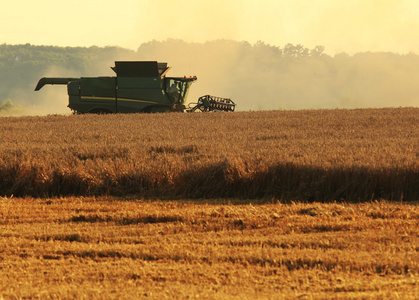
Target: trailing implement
[211, 103]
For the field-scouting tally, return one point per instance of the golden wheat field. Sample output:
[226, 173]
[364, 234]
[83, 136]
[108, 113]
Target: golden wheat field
[95, 248]
[319, 155]
[318, 204]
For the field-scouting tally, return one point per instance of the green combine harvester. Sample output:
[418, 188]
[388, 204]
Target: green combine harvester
[139, 86]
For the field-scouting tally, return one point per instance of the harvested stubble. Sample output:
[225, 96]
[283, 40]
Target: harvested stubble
[317, 155]
[108, 248]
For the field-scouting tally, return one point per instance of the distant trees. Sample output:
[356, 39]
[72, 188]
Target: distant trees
[21, 66]
[256, 76]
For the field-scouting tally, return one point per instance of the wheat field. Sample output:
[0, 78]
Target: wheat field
[319, 155]
[318, 204]
[110, 248]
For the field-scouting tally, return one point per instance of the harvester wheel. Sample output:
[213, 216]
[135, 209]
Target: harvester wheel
[100, 111]
[157, 109]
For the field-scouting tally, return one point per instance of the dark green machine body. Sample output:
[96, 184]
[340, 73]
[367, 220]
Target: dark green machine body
[140, 86]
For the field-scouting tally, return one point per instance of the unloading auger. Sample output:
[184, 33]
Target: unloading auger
[212, 103]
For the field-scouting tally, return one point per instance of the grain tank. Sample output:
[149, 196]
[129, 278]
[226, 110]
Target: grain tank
[139, 86]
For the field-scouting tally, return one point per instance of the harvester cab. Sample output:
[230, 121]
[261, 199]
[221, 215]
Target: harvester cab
[139, 86]
[177, 89]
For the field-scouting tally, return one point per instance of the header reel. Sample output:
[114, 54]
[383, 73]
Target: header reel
[211, 103]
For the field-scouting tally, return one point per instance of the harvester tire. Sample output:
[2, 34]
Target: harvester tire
[100, 111]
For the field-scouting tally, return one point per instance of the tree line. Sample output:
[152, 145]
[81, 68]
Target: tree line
[257, 76]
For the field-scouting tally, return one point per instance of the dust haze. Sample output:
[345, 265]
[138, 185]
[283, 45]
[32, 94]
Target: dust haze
[52, 100]
[265, 77]
[340, 26]
[256, 76]
[261, 54]
[22, 100]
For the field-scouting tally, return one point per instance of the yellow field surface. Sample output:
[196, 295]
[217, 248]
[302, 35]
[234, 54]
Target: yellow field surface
[108, 248]
[318, 155]
[317, 204]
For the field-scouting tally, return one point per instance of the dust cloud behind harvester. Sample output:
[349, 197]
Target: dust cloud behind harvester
[265, 77]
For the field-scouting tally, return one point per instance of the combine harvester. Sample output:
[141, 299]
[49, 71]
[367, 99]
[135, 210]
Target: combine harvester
[139, 86]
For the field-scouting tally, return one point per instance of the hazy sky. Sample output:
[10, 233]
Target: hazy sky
[341, 26]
